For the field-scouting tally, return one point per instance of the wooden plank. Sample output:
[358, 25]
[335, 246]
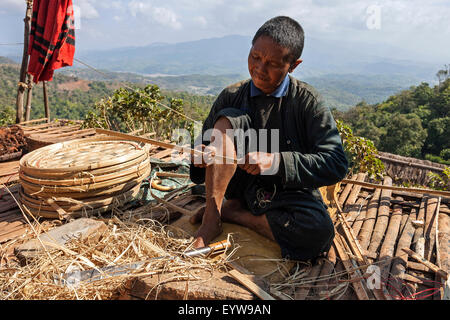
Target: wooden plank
[247, 282]
[202, 285]
[383, 217]
[70, 134]
[14, 233]
[53, 131]
[79, 228]
[6, 168]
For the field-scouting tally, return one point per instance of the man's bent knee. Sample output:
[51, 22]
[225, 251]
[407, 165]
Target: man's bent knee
[222, 124]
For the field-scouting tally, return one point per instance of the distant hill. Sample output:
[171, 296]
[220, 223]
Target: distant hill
[341, 91]
[228, 55]
[4, 60]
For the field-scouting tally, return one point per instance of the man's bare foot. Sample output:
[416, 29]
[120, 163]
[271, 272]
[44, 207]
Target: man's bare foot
[233, 212]
[229, 212]
[211, 227]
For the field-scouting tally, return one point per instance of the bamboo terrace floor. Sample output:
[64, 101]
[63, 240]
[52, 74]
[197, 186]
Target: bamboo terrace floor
[377, 224]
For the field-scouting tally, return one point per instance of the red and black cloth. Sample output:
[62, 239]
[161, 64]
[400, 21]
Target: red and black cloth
[52, 38]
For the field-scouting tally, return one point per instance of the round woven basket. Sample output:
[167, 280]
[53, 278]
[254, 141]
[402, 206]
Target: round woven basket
[82, 177]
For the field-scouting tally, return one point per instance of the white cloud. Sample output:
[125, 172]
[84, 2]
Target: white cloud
[86, 9]
[162, 15]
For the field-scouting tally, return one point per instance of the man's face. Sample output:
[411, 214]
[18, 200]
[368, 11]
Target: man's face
[268, 64]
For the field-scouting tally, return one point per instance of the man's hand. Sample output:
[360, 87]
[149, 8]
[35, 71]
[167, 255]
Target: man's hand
[203, 156]
[262, 163]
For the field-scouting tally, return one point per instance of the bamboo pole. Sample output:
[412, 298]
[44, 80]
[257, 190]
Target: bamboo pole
[430, 226]
[23, 69]
[359, 219]
[344, 194]
[399, 189]
[369, 222]
[355, 192]
[383, 217]
[302, 292]
[387, 248]
[443, 274]
[399, 265]
[348, 265]
[443, 241]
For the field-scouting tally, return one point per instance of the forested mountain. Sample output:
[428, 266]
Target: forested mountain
[71, 97]
[414, 122]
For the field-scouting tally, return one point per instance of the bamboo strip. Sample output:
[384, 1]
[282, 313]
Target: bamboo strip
[402, 189]
[383, 217]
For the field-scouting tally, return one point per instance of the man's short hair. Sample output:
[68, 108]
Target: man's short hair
[286, 32]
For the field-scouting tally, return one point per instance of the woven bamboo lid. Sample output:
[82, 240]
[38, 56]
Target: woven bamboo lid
[81, 155]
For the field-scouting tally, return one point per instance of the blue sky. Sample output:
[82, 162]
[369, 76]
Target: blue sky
[420, 27]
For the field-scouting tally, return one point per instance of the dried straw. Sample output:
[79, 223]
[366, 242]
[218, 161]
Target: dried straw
[122, 243]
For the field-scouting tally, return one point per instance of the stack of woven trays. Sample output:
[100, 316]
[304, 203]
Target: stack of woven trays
[82, 177]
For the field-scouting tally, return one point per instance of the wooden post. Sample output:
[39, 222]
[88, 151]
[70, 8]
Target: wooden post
[29, 98]
[47, 108]
[24, 67]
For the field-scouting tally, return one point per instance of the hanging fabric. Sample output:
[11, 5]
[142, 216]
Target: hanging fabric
[52, 38]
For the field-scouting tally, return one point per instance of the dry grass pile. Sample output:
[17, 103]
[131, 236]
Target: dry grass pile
[122, 243]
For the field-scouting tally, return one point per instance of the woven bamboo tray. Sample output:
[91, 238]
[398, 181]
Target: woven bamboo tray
[82, 177]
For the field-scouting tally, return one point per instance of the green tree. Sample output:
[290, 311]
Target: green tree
[404, 135]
